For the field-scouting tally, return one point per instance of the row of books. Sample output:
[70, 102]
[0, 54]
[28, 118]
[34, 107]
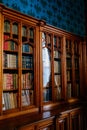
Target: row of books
[31, 33]
[27, 48]
[24, 31]
[47, 94]
[9, 100]
[27, 80]
[27, 61]
[69, 74]
[7, 26]
[57, 42]
[69, 90]
[27, 32]
[57, 80]
[10, 60]
[10, 81]
[57, 92]
[15, 28]
[10, 45]
[27, 97]
[57, 66]
[56, 54]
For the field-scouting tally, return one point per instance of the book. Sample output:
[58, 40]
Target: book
[10, 60]
[15, 28]
[6, 26]
[28, 98]
[27, 61]
[5, 100]
[69, 75]
[57, 92]
[10, 81]
[3, 103]
[10, 45]
[57, 80]
[56, 54]
[27, 80]
[27, 48]
[25, 97]
[57, 66]
[24, 31]
[6, 37]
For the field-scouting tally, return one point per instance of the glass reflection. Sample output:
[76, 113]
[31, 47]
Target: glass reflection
[46, 62]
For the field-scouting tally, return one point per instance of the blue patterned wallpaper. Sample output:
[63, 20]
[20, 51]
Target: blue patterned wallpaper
[64, 14]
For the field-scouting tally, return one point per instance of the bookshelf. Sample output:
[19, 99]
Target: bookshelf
[57, 50]
[10, 65]
[69, 67]
[27, 65]
[52, 67]
[72, 68]
[63, 78]
[18, 55]
[77, 68]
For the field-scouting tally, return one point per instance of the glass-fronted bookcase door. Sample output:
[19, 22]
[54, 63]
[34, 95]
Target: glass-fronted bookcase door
[27, 92]
[52, 70]
[47, 73]
[55, 63]
[73, 68]
[18, 65]
[10, 65]
[57, 56]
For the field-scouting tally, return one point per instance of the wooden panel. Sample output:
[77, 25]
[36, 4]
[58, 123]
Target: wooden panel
[46, 124]
[75, 120]
[62, 122]
[26, 127]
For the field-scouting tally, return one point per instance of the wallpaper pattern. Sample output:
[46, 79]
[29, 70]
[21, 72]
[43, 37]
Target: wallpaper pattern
[65, 14]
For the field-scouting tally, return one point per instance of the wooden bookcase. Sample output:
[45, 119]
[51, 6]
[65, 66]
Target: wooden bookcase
[69, 120]
[62, 122]
[75, 120]
[18, 54]
[41, 70]
[61, 66]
